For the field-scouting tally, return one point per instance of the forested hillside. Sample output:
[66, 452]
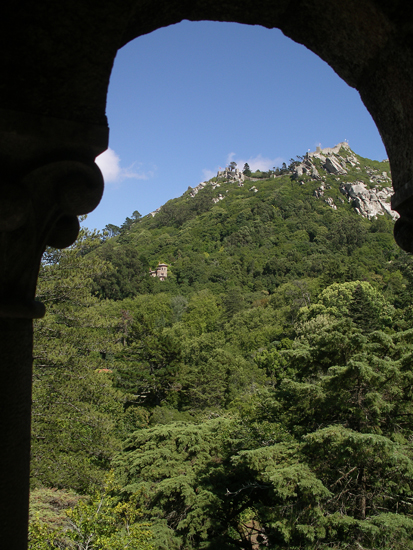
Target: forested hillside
[259, 397]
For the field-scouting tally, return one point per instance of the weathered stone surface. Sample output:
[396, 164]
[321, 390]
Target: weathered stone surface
[369, 203]
[299, 170]
[229, 174]
[333, 166]
[330, 202]
[314, 173]
[319, 192]
[194, 190]
[153, 214]
[330, 159]
[219, 198]
[48, 180]
[15, 402]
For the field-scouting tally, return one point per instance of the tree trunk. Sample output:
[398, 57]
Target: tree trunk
[362, 501]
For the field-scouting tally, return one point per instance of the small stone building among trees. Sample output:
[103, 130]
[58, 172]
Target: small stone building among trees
[161, 272]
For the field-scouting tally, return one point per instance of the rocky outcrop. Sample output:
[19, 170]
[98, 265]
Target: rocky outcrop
[330, 202]
[369, 203]
[381, 179]
[219, 198]
[194, 190]
[319, 192]
[331, 161]
[308, 169]
[314, 173]
[334, 166]
[336, 161]
[229, 175]
[153, 214]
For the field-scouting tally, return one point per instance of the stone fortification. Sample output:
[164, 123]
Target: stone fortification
[330, 150]
[331, 161]
[231, 174]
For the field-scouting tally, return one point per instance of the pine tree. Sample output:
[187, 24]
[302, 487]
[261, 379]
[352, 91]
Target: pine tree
[246, 170]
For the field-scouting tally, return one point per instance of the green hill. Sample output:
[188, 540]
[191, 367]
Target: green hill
[259, 397]
[259, 236]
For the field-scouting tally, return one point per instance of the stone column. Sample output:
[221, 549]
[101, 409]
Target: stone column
[15, 401]
[48, 178]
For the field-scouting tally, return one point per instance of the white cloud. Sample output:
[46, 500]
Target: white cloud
[230, 158]
[208, 174]
[256, 163]
[109, 164]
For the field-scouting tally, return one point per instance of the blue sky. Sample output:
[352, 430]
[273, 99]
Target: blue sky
[186, 100]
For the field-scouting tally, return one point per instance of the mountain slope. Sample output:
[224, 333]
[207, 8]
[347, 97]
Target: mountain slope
[325, 218]
[262, 392]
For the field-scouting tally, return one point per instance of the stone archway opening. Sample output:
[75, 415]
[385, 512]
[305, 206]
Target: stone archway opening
[216, 89]
[56, 61]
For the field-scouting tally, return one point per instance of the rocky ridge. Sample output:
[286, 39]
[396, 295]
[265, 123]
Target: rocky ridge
[340, 162]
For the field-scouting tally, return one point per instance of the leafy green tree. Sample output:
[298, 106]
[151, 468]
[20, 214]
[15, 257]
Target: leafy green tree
[347, 233]
[348, 400]
[264, 387]
[177, 468]
[233, 302]
[127, 224]
[357, 300]
[284, 169]
[112, 230]
[106, 523]
[178, 305]
[101, 522]
[148, 365]
[75, 408]
[214, 375]
[202, 313]
[128, 276]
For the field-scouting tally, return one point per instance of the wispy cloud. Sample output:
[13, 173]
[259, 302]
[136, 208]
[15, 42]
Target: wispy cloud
[208, 174]
[110, 165]
[256, 163]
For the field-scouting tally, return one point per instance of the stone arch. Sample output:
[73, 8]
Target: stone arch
[55, 62]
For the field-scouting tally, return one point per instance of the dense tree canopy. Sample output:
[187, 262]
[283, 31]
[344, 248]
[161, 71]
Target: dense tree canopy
[259, 397]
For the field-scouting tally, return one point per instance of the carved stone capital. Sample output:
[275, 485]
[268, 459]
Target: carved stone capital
[48, 178]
